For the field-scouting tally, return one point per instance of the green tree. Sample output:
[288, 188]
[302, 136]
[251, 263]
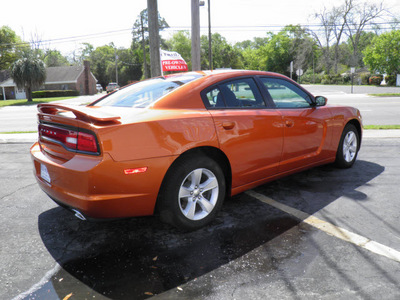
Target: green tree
[383, 54]
[10, 47]
[276, 55]
[251, 59]
[54, 58]
[129, 66]
[78, 56]
[302, 46]
[249, 50]
[102, 61]
[85, 51]
[181, 43]
[224, 55]
[356, 57]
[256, 43]
[28, 73]
[140, 35]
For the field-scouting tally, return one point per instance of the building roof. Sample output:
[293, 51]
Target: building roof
[67, 74]
[8, 82]
[54, 75]
[4, 75]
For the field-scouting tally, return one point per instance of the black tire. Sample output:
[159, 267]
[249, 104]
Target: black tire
[348, 148]
[192, 193]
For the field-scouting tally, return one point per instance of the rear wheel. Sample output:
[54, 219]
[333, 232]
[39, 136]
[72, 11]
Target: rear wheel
[348, 147]
[192, 193]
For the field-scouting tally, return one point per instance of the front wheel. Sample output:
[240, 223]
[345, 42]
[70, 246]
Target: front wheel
[192, 193]
[348, 147]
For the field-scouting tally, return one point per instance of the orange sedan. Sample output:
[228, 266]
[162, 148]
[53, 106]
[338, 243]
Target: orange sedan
[179, 144]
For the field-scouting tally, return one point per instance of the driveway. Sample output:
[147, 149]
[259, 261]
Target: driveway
[265, 243]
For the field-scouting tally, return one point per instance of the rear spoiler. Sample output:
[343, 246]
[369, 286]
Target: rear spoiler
[83, 113]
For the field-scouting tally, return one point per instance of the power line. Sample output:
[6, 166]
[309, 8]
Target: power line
[71, 38]
[224, 28]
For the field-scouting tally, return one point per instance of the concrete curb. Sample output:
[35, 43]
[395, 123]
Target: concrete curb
[383, 133]
[32, 137]
[14, 138]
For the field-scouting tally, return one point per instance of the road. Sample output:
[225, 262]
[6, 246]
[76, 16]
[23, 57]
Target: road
[24, 118]
[375, 110]
[253, 250]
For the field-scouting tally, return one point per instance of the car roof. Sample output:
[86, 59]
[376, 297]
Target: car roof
[188, 96]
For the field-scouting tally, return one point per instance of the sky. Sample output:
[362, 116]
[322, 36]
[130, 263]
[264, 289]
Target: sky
[65, 25]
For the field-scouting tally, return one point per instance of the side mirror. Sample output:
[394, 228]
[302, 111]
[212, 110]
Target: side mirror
[320, 101]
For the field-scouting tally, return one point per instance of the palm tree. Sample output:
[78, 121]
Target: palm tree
[28, 72]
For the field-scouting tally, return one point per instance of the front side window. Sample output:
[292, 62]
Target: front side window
[241, 93]
[285, 94]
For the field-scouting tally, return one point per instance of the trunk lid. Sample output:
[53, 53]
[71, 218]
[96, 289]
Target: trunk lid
[65, 130]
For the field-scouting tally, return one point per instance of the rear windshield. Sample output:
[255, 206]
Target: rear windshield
[145, 93]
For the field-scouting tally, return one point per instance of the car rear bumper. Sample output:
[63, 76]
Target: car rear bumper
[97, 186]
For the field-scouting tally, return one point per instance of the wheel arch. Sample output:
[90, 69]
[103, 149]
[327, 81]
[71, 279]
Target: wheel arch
[357, 125]
[214, 153]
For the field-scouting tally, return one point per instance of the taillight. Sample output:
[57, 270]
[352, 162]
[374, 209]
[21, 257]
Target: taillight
[86, 142]
[74, 140]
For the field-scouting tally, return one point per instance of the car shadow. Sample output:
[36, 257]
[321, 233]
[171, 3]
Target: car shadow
[140, 257]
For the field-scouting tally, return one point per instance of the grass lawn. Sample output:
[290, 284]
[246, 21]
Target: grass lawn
[386, 95]
[14, 132]
[381, 127]
[34, 102]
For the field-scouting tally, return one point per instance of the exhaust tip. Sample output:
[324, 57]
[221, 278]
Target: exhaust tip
[79, 215]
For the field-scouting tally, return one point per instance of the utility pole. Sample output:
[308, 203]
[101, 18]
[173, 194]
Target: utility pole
[154, 35]
[209, 36]
[196, 64]
[146, 75]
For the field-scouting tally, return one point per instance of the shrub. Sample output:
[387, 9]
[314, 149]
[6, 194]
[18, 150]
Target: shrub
[326, 79]
[337, 79]
[346, 78]
[56, 93]
[376, 79]
[390, 80]
[333, 79]
[365, 78]
[310, 78]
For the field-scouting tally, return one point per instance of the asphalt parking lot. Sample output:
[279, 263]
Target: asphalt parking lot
[289, 239]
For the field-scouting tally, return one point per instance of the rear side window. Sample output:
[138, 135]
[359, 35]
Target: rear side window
[145, 93]
[240, 93]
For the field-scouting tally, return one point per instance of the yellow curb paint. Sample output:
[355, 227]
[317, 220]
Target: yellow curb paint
[331, 229]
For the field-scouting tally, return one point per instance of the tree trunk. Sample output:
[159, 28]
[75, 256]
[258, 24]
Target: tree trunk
[28, 91]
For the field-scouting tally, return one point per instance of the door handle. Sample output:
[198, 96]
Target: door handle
[289, 123]
[228, 125]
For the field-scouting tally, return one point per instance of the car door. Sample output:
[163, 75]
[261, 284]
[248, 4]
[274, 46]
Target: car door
[306, 133]
[249, 134]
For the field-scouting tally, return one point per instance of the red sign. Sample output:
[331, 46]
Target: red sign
[172, 61]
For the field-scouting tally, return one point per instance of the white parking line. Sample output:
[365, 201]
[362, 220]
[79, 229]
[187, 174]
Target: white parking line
[41, 283]
[331, 229]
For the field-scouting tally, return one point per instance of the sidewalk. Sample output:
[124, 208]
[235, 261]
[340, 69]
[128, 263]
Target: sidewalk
[14, 138]
[32, 137]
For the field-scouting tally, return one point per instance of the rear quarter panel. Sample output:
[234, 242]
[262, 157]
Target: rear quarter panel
[164, 133]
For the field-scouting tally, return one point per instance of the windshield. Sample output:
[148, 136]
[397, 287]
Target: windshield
[146, 92]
